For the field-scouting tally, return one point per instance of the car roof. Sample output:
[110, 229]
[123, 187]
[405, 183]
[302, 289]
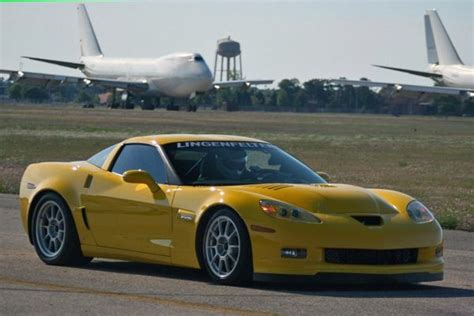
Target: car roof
[175, 138]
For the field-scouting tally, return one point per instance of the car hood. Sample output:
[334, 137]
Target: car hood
[326, 198]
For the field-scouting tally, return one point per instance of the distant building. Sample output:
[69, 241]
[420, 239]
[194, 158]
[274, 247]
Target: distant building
[104, 98]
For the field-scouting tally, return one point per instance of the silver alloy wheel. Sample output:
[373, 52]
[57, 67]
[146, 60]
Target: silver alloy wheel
[50, 229]
[222, 246]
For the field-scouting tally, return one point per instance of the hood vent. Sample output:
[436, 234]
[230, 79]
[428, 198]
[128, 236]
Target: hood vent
[368, 220]
[274, 187]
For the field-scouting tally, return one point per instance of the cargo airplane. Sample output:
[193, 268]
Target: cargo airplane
[445, 66]
[179, 75]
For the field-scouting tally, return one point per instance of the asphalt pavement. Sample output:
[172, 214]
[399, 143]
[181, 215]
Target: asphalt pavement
[28, 286]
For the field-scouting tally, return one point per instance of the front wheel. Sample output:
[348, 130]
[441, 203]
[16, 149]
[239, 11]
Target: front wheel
[54, 233]
[226, 249]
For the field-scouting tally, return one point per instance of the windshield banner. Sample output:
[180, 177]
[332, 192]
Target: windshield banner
[208, 144]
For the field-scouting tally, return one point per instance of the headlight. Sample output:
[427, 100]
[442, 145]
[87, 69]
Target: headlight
[419, 213]
[285, 211]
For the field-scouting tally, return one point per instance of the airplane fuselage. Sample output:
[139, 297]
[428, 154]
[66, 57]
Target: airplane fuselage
[177, 75]
[456, 76]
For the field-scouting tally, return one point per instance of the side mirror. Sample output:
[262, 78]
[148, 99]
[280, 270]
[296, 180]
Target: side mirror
[324, 175]
[140, 176]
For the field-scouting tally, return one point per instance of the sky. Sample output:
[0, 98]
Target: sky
[279, 39]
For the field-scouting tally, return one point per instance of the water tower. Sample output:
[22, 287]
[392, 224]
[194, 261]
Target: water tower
[228, 50]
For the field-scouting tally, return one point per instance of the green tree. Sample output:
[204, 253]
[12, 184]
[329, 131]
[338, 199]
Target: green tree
[367, 100]
[301, 99]
[84, 97]
[282, 98]
[291, 87]
[15, 92]
[448, 105]
[227, 97]
[468, 107]
[348, 99]
[35, 94]
[258, 98]
[270, 97]
[317, 92]
[205, 98]
[242, 96]
[67, 92]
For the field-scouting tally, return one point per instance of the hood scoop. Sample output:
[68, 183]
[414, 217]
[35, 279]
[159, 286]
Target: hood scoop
[368, 220]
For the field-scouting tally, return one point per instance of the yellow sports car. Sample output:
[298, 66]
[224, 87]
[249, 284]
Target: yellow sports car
[238, 207]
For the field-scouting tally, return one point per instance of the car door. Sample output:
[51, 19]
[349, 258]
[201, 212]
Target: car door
[129, 216]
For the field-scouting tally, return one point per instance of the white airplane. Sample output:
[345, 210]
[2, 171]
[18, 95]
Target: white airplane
[179, 75]
[445, 65]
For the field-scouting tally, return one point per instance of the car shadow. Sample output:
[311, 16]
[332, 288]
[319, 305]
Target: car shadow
[395, 290]
[146, 269]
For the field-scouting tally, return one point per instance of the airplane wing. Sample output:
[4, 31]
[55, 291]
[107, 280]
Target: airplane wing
[49, 80]
[404, 87]
[413, 72]
[57, 62]
[240, 83]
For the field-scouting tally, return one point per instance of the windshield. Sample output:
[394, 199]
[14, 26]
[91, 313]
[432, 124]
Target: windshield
[227, 163]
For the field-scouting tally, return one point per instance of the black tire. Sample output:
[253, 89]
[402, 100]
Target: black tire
[68, 253]
[242, 271]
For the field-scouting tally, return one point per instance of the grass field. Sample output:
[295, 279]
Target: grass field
[427, 157]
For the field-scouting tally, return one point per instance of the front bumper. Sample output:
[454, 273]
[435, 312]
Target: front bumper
[350, 278]
[342, 232]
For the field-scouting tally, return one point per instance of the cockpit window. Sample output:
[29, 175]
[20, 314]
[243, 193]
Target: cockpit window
[198, 58]
[227, 163]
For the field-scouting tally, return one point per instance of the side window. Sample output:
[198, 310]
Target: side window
[143, 157]
[99, 158]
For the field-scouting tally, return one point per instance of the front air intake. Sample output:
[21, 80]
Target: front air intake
[371, 257]
[368, 220]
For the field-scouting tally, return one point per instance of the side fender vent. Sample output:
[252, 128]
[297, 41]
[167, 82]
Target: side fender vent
[368, 220]
[88, 182]
[84, 217]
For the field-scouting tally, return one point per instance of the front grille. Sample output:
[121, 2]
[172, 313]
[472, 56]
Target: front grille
[371, 257]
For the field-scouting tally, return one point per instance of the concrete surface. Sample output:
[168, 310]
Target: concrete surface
[29, 286]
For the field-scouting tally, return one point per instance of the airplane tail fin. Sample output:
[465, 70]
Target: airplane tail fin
[89, 44]
[439, 46]
[430, 43]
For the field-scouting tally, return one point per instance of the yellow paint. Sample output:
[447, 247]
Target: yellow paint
[125, 217]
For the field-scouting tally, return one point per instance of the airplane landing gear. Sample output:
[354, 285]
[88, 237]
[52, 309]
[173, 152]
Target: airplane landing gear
[114, 104]
[171, 106]
[192, 108]
[126, 102]
[149, 103]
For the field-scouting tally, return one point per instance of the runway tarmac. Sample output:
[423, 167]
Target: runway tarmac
[28, 286]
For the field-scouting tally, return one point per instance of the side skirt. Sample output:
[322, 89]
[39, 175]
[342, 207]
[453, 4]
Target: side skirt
[112, 253]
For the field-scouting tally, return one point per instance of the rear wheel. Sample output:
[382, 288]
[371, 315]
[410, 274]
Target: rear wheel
[226, 249]
[54, 233]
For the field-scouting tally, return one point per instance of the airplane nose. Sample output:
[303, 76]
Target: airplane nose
[206, 72]
[206, 75]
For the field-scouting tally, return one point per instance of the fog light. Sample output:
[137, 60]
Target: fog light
[293, 253]
[439, 251]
